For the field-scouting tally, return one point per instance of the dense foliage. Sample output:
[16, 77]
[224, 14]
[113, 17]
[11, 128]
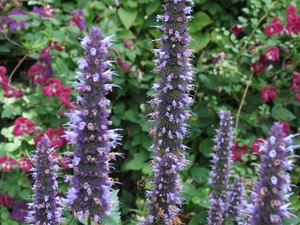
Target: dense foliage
[245, 59]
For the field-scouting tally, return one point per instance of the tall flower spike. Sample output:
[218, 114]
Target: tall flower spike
[170, 114]
[220, 168]
[270, 205]
[89, 196]
[236, 201]
[44, 209]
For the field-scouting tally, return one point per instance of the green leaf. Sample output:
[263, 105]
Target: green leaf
[24, 194]
[115, 216]
[152, 7]
[206, 147]
[282, 114]
[127, 16]
[13, 146]
[137, 162]
[199, 21]
[200, 174]
[132, 115]
[3, 48]
[199, 40]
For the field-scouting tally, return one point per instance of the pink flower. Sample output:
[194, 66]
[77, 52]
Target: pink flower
[53, 87]
[38, 138]
[236, 29]
[64, 94]
[6, 200]
[23, 125]
[272, 53]
[268, 93]
[239, 151]
[7, 164]
[24, 164]
[293, 26]
[259, 65]
[256, 143]
[55, 136]
[38, 72]
[286, 126]
[274, 27]
[64, 163]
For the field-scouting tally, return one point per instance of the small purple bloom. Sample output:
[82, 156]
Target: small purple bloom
[11, 23]
[19, 211]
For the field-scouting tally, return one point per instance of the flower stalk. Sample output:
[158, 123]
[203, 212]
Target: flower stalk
[170, 113]
[89, 196]
[44, 209]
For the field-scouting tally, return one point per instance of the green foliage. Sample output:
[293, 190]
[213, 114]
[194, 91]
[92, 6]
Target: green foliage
[217, 86]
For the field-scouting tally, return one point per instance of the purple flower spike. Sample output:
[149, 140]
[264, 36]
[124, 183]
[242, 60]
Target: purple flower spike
[88, 129]
[236, 201]
[220, 168]
[170, 113]
[271, 201]
[44, 209]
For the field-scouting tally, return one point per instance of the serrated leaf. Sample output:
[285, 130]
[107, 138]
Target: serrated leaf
[282, 114]
[115, 216]
[127, 17]
[199, 21]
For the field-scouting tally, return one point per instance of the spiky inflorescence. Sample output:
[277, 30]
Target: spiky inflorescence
[235, 200]
[220, 168]
[170, 114]
[89, 195]
[44, 209]
[270, 205]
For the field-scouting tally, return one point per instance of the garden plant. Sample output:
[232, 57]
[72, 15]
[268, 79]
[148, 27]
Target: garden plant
[149, 112]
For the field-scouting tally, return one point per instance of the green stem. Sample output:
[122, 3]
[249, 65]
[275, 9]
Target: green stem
[248, 82]
[89, 222]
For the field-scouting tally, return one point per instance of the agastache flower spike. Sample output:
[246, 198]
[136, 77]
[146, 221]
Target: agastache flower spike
[44, 209]
[220, 168]
[170, 114]
[89, 196]
[270, 205]
[235, 200]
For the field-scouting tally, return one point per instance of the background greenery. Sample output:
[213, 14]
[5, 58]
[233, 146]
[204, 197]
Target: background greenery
[218, 86]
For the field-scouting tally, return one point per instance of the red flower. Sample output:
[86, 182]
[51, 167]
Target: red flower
[56, 46]
[23, 125]
[6, 200]
[274, 27]
[7, 163]
[53, 87]
[259, 65]
[38, 138]
[38, 72]
[293, 25]
[236, 29]
[257, 142]
[272, 53]
[297, 96]
[286, 126]
[268, 93]
[64, 94]
[55, 137]
[239, 151]
[24, 164]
